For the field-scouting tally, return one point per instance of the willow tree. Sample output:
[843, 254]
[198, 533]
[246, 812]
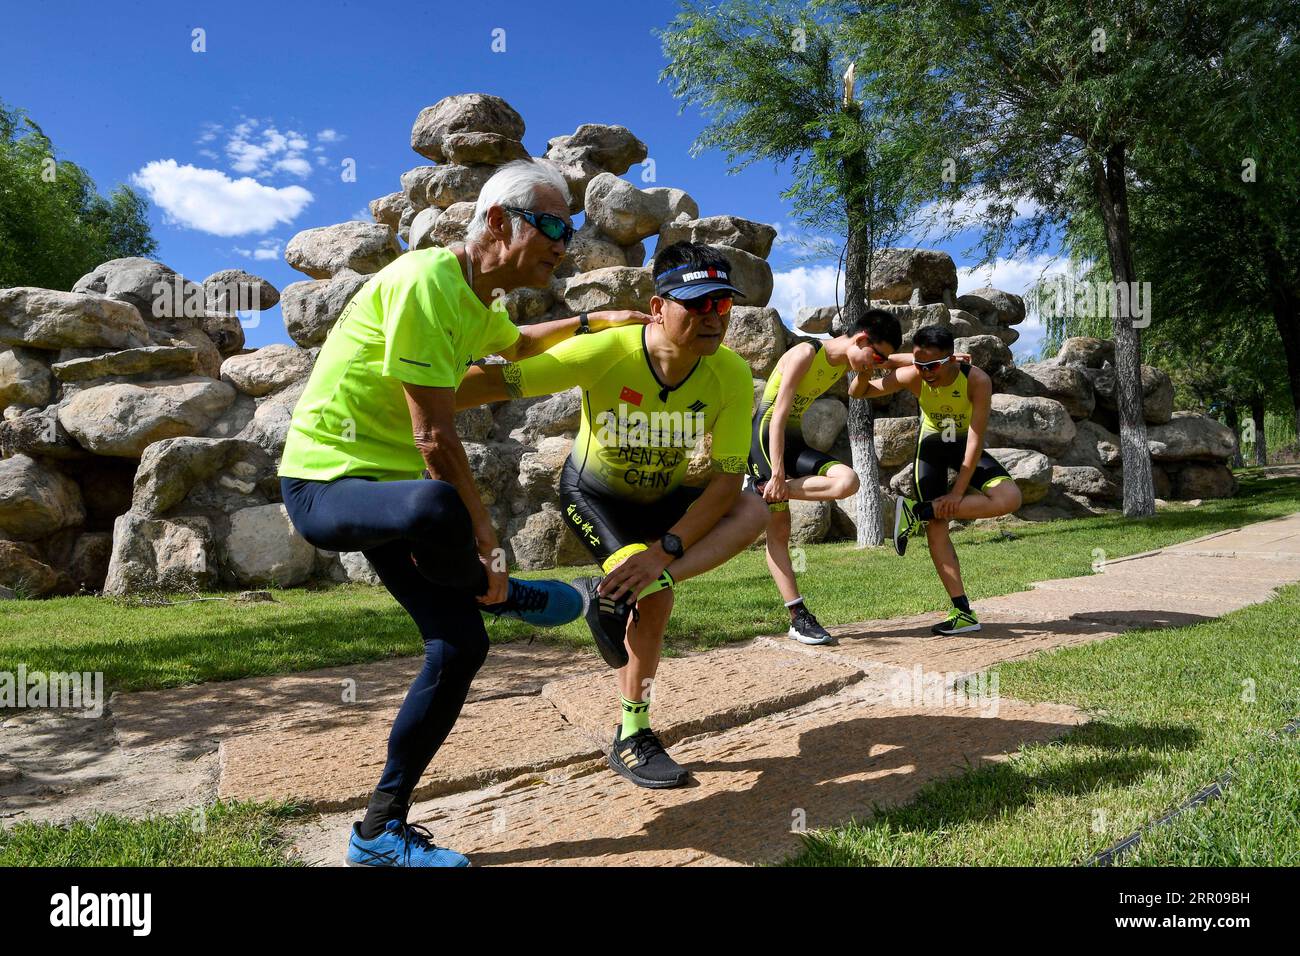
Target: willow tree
[776, 82]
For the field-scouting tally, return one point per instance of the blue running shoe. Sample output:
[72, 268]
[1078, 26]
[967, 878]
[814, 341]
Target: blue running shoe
[401, 844]
[542, 603]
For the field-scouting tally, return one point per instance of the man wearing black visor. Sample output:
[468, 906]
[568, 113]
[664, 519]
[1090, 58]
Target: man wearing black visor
[649, 395]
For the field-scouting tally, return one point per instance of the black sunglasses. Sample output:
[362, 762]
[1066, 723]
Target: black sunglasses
[552, 227]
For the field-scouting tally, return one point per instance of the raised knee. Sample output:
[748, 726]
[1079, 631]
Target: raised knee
[849, 484]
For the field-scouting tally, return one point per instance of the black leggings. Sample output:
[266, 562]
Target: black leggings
[392, 522]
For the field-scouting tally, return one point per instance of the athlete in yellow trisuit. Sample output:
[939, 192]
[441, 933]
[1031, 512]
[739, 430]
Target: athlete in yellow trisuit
[955, 399]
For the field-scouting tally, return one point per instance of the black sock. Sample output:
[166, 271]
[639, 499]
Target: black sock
[794, 607]
[961, 603]
[924, 511]
[382, 808]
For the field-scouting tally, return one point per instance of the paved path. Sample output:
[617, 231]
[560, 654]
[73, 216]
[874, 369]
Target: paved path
[779, 737]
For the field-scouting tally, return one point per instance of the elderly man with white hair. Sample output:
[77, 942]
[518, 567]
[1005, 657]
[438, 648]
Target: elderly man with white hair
[378, 412]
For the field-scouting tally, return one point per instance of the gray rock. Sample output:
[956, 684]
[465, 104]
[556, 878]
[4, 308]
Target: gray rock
[152, 362]
[171, 470]
[750, 274]
[155, 290]
[448, 185]
[539, 471]
[816, 321]
[263, 548]
[477, 149]
[270, 425]
[914, 275]
[810, 521]
[91, 554]
[1093, 446]
[618, 287]
[758, 336]
[39, 434]
[357, 569]
[1066, 384]
[474, 424]
[24, 378]
[123, 419]
[160, 554]
[895, 440]
[49, 320]
[463, 113]
[451, 225]
[421, 231]
[1086, 352]
[1087, 481]
[987, 352]
[753, 237]
[1197, 479]
[589, 251]
[1040, 424]
[611, 148]
[310, 309]
[1191, 436]
[1031, 470]
[823, 422]
[24, 575]
[993, 306]
[225, 331]
[323, 252]
[627, 214]
[37, 500]
[390, 209]
[267, 370]
[229, 291]
[1157, 392]
[544, 539]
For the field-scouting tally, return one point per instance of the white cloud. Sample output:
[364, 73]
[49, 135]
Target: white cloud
[210, 201]
[935, 219]
[1009, 275]
[267, 249]
[329, 136]
[801, 286]
[295, 165]
[260, 149]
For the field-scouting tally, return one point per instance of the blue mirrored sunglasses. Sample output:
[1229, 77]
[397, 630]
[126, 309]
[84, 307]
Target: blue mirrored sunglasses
[552, 227]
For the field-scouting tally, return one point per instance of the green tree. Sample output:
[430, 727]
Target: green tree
[1053, 103]
[774, 82]
[54, 225]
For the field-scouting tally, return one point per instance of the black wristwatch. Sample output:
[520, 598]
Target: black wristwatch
[583, 325]
[672, 544]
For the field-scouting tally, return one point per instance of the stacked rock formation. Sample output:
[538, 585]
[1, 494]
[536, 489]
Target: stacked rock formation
[140, 439]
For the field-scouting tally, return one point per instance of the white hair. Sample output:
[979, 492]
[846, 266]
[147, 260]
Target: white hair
[515, 184]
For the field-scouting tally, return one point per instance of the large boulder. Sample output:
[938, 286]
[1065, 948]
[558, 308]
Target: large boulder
[993, 306]
[390, 209]
[1191, 436]
[50, 320]
[1066, 384]
[589, 251]
[610, 148]
[756, 238]
[816, 320]
[323, 252]
[311, 308]
[156, 290]
[270, 424]
[1199, 479]
[986, 351]
[810, 521]
[750, 274]
[38, 433]
[230, 291]
[1086, 352]
[420, 235]
[1040, 424]
[204, 474]
[88, 564]
[1086, 481]
[151, 362]
[123, 419]
[167, 554]
[618, 287]
[447, 185]
[24, 378]
[1031, 471]
[1157, 393]
[463, 113]
[823, 422]
[24, 574]
[539, 471]
[36, 500]
[452, 225]
[1093, 446]
[266, 370]
[914, 275]
[758, 336]
[264, 548]
[627, 214]
[545, 539]
[481, 149]
[895, 440]
[531, 420]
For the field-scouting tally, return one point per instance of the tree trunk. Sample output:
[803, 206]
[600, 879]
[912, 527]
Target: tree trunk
[1135, 457]
[1286, 316]
[1261, 440]
[1234, 422]
[861, 424]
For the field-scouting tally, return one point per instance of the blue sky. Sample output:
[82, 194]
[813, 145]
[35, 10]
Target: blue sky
[243, 145]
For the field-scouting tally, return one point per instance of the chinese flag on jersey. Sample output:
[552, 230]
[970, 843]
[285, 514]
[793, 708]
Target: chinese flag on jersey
[627, 395]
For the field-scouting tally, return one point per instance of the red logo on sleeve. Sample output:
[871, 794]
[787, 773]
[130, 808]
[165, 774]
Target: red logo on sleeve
[627, 395]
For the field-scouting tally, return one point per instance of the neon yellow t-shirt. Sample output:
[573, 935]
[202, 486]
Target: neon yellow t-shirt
[415, 321]
[821, 375]
[636, 433]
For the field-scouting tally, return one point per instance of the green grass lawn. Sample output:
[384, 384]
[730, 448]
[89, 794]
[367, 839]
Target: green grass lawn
[149, 647]
[1172, 711]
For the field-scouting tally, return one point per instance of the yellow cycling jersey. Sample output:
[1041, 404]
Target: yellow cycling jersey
[949, 406]
[637, 434]
[821, 375]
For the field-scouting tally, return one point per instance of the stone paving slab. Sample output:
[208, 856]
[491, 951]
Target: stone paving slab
[202, 716]
[705, 692]
[337, 767]
[819, 765]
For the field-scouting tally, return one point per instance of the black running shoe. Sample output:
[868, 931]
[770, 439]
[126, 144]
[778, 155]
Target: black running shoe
[642, 759]
[607, 620]
[806, 629]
